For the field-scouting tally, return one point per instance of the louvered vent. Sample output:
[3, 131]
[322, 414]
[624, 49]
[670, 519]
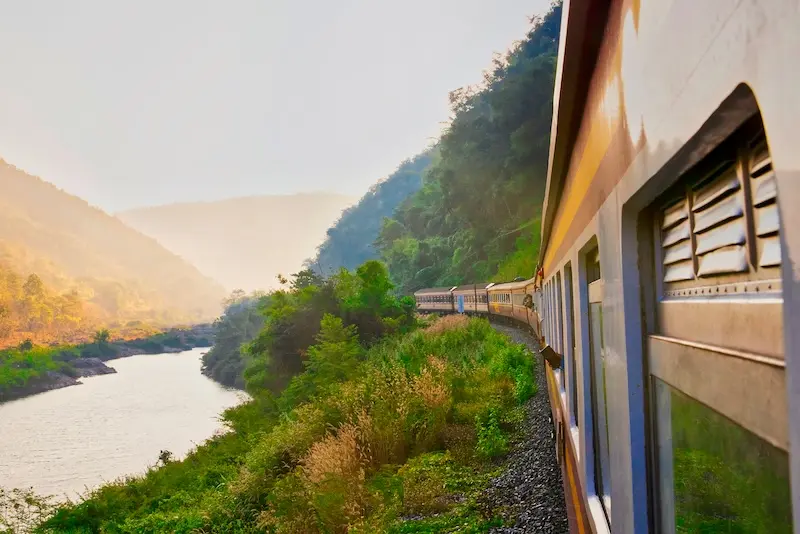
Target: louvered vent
[719, 225]
[724, 224]
[676, 243]
[765, 207]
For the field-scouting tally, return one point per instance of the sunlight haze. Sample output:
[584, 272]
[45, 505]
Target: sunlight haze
[130, 104]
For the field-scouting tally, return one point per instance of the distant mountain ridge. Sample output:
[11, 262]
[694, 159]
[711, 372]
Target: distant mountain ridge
[119, 273]
[245, 242]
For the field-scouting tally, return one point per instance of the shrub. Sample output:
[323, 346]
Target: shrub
[492, 442]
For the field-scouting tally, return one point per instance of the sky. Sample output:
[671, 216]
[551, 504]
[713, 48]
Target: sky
[149, 102]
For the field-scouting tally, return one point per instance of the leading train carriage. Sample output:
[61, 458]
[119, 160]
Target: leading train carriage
[670, 241]
[668, 280]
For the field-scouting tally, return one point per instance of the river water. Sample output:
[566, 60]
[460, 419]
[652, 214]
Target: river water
[64, 441]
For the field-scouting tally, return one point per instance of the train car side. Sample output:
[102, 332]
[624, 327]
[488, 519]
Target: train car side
[668, 237]
[435, 300]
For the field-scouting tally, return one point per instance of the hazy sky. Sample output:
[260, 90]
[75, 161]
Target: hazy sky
[144, 102]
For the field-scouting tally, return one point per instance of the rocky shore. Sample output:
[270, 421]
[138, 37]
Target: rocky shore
[82, 367]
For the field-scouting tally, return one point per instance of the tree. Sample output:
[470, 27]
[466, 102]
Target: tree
[102, 337]
[305, 278]
[33, 286]
[332, 359]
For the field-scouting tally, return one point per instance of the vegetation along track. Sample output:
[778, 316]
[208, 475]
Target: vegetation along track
[529, 494]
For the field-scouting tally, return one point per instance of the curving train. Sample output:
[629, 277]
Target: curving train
[667, 295]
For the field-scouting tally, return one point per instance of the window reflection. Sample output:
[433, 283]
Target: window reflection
[600, 406]
[714, 475]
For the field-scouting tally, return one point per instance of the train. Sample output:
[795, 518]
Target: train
[667, 292]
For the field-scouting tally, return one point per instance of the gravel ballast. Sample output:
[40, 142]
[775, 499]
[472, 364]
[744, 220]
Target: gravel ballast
[529, 495]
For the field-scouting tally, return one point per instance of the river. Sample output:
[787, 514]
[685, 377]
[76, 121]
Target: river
[64, 441]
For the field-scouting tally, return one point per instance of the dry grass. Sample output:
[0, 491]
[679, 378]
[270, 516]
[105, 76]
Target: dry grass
[448, 322]
[336, 455]
[431, 384]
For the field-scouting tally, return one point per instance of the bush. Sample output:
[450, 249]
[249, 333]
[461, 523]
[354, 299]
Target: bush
[492, 441]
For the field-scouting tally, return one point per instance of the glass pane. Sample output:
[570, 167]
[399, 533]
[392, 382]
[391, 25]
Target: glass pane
[715, 475]
[560, 322]
[573, 368]
[600, 408]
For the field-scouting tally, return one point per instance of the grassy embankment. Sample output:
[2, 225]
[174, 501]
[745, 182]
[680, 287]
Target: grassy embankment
[400, 437]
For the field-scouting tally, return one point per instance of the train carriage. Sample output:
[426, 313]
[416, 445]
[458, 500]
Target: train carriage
[435, 300]
[668, 279]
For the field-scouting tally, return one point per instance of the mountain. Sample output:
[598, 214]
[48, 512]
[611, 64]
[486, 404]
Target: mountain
[111, 271]
[349, 242]
[243, 243]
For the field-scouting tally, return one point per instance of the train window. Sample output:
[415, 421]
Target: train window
[716, 476]
[550, 314]
[573, 368]
[597, 366]
[553, 334]
[560, 327]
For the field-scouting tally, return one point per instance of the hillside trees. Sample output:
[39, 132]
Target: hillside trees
[239, 324]
[349, 242]
[29, 308]
[481, 199]
[342, 308]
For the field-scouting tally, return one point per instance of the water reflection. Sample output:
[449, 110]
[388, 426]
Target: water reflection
[63, 441]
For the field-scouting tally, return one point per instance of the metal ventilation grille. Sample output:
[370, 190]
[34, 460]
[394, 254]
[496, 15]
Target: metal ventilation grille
[676, 243]
[725, 224]
[765, 208]
[720, 228]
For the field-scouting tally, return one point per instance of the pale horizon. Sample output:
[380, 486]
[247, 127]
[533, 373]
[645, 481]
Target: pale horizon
[149, 104]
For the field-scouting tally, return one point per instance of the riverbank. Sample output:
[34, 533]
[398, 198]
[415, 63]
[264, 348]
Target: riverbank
[29, 370]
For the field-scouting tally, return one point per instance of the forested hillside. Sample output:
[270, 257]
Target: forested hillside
[477, 216]
[243, 243]
[349, 241]
[66, 266]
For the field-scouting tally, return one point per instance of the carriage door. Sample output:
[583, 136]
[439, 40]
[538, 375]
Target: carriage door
[460, 303]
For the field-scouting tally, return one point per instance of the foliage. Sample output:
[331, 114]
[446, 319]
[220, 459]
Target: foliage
[333, 359]
[240, 323]
[482, 194]
[349, 241]
[293, 318]
[491, 440]
[378, 435]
